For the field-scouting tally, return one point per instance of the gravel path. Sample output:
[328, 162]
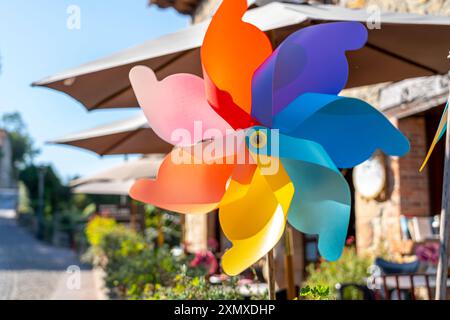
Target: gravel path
[30, 269]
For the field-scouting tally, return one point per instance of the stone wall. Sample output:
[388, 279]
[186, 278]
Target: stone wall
[406, 193]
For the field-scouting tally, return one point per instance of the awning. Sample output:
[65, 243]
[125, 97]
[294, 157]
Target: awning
[131, 136]
[406, 46]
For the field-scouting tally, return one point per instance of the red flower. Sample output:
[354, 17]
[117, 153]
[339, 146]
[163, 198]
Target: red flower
[350, 240]
[205, 259]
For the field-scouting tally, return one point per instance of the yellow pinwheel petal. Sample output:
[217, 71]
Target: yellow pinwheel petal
[253, 218]
[246, 252]
[240, 209]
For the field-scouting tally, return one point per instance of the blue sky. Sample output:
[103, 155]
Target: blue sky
[35, 42]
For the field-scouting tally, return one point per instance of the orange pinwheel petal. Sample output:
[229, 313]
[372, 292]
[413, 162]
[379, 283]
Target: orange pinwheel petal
[189, 187]
[231, 52]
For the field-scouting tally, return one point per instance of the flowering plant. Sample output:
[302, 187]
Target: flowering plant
[428, 252]
[205, 259]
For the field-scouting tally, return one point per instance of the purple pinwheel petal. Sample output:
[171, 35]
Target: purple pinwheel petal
[310, 60]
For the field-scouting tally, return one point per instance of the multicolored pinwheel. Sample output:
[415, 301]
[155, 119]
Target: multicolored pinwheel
[285, 105]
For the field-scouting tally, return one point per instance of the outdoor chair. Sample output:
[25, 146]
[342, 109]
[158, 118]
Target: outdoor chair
[403, 286]
[398, 281]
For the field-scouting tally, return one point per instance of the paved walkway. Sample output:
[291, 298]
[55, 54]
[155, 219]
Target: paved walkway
[30, 269]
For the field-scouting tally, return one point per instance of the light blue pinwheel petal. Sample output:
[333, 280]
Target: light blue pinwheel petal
[321, 205]
[310, 60]
[321, 202]
[349, 129]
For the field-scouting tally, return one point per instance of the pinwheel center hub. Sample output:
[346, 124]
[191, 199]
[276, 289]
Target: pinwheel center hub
[258, 139]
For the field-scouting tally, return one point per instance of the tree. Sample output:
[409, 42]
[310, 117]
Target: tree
[56, 195]
[24, 199]
[23, 150]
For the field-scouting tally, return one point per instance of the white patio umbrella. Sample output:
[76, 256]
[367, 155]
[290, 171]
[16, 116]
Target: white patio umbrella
[131, 136]
[406, 46]
[105, 188]
[121, 175]
[118, 179]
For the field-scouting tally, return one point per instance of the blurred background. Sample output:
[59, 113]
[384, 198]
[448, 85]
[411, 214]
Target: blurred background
[73, 140]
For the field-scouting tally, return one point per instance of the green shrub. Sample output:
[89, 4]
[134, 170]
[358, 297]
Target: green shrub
[315, 293]
[24, 205]
[97, 228]
[350, 268]
[132, 265]
[186, 287]
[162, 226]
[135, 268]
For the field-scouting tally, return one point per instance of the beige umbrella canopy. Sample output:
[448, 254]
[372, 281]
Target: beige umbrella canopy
[145, 167]
[406, 46]
[118, 179]
[115, 188]
[131, 136]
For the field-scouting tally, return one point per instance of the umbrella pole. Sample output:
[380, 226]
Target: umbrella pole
[442, 271]
[271, 275]
[288, 263]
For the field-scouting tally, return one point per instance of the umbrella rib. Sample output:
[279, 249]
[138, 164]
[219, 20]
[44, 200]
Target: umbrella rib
[115, 145]
[399, 57]
[128, 86]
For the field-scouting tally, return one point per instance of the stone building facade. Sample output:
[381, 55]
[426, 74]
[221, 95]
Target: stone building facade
[414, 106]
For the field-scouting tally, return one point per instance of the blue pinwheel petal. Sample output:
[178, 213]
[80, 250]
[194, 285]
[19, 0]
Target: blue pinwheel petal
[349, 129]
[321, 202]
[310, 60]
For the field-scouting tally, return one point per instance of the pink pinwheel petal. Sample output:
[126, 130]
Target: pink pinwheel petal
[176, 107]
